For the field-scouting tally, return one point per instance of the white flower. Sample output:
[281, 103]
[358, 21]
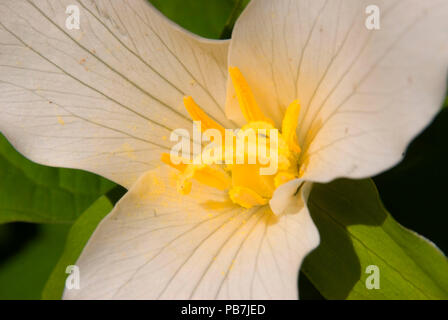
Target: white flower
[105, 98]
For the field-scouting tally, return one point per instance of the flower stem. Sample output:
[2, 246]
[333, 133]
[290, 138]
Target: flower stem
[239, 6]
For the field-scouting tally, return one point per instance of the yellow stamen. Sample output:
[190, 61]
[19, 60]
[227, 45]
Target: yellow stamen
[246, 197]
[197, 114]
[261, 149]
[289, 126]
[184, 187]
[212, 176]
[166, 158]
[248, 176]
[246, 99]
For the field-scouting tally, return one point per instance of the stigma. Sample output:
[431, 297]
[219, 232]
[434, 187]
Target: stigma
[249, 165]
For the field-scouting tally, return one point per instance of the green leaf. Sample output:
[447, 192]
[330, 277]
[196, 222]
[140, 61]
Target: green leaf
[356, 231]
[77, 238]
[207, 18]
[35, 193]
[29, 263]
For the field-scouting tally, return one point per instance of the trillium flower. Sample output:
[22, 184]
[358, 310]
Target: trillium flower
[106, 97]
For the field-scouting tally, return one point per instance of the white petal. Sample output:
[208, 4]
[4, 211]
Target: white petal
[103, 98]
[158, 245]
[284, 196]
[364, 93]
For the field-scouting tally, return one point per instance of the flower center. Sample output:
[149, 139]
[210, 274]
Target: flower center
[249, 165]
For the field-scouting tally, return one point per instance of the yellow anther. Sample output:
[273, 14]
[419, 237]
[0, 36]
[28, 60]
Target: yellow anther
[166, 158]
[258, 145]
[197, 114]
[210, 175]
[248, 176]
[246, 99]
[184, 187]
[245, 197]
[289, 126]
